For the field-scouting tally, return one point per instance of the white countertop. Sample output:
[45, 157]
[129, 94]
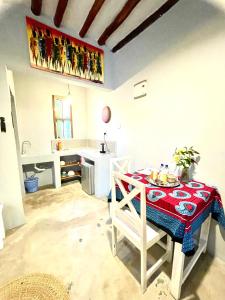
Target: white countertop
[29, 158]
[90, 153]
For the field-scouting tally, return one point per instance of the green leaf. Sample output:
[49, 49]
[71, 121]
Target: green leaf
[196, 152]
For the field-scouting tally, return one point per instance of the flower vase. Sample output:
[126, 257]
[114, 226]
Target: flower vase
[185, 175]
[177, 171]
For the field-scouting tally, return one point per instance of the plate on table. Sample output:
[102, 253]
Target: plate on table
[159, 183]
[146, 171]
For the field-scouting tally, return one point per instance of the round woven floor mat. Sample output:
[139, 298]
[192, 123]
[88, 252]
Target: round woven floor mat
[36, 286]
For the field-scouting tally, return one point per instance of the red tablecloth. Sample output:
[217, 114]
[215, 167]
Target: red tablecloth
[180, 210]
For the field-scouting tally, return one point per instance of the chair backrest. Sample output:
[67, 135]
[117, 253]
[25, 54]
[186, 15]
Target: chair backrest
[134, 220]
[120, 164]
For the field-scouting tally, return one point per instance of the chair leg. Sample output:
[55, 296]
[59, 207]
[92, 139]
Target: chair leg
[169, 249]
[177, 271]
[143, 270]
[114, 240]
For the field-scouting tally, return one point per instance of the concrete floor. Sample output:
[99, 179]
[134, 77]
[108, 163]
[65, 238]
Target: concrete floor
[68, 235]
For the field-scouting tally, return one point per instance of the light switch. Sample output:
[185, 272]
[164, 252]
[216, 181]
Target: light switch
[2, 124]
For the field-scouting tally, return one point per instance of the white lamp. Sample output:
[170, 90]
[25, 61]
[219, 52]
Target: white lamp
[69, 97]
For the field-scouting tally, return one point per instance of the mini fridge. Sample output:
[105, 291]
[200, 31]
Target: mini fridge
[87, 178]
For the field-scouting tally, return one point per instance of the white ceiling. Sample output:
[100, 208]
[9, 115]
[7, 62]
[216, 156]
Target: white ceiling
[77, 11]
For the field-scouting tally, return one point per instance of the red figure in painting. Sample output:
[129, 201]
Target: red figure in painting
[34, 45]
[49, 47]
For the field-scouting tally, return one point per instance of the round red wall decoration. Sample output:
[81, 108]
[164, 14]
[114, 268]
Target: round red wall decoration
[106, 114]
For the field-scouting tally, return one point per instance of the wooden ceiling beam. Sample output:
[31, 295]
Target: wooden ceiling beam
[119, 19]
[60, 10]
[91, 16]
[149, 21]
[36, 6]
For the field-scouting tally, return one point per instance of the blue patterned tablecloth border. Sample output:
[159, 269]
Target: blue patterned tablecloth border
[174, 227]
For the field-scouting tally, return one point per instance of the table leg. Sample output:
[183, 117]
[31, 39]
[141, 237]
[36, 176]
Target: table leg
[177, 271]
[205, 232]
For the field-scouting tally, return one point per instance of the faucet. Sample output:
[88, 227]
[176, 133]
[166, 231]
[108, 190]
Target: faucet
[23, 144]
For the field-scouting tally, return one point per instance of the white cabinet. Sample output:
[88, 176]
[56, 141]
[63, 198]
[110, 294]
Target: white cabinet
[102, 175]
[101, 167]
[101, 170]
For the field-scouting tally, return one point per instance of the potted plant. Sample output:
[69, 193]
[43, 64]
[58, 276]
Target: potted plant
[185, 157]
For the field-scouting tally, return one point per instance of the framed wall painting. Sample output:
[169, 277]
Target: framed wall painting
[54, 51]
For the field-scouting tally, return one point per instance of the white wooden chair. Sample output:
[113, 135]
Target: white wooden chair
[134, 226]
[2, 230]
[120, 164]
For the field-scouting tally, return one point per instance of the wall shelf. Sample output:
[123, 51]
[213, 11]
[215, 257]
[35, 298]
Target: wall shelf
[72, 163]
[76, 164]
[63, 178]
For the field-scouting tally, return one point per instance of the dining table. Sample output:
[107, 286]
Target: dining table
[180, 211]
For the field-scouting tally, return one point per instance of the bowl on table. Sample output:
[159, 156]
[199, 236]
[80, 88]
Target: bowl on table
[171, 178]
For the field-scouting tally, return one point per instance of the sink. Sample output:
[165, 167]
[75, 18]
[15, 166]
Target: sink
[29, 159]
[36, 158]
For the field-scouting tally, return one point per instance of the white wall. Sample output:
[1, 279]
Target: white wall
[10, 189]
[35, 114]
[183, 21]
[182, 57]
[10, 80]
